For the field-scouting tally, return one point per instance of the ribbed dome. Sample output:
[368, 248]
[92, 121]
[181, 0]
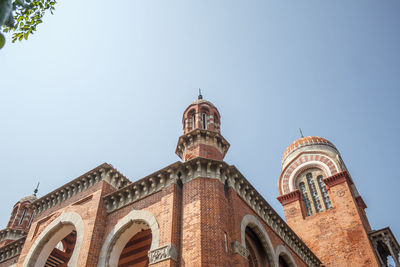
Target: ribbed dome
[306, 141]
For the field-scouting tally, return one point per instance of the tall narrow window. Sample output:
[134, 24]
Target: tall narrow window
[325, 195]
[314, 193]
[22, 217]
[204, 121]
[194, 121]
[306, 200]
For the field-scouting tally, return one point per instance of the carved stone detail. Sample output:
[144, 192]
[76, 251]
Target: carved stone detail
[12, 249]
[163, 253]
[103, 172]
[239, 249]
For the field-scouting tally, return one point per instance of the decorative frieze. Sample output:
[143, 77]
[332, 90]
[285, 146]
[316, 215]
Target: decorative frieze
[103, 172]
[163, 253]
[11, 234]
[12, 249]
[239, 249]
[142, 188]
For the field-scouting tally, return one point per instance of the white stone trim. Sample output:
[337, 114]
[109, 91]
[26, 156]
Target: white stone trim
[282, 250]
[120, 234]
[303, 166]
[255, 224]
[51, 235]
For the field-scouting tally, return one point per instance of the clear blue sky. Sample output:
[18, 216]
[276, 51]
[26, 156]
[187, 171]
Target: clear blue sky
[108, 82]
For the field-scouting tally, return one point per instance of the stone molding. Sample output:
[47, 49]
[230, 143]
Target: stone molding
[11, 234]
[12, 249]
[163, 253]
[290, 197]
[237, 248]
[120, 234]
[51, 235]
[360, 202]
[198, 135]
[104, 172]
[336, 179]
[226, 174]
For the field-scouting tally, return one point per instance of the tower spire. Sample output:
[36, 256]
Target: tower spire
[200, 96]
[301, 133]
[36, 189]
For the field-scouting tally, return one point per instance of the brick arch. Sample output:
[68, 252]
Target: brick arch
[282, 251]
[303, 162]
[122, 232]
[252, 222]
[51, 235]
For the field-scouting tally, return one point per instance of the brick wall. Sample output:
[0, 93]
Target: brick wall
[337, 236]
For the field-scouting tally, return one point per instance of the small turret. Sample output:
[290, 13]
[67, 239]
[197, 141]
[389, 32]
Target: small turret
[201, 132]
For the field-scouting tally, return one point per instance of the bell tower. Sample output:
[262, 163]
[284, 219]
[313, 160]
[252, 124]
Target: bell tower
[201, 132]
[322, 205]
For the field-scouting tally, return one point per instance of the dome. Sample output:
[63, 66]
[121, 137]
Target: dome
[28, 198]
[305, 141]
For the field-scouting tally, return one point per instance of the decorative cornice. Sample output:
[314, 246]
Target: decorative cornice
[360, 202]
[12, 249]
[290, 197]
[104, 172]
[188, 138]
[207, 168]
[384, 234]
[11, 234]
[142, 188]
[239, 249]
[336, 179]
[163, 253]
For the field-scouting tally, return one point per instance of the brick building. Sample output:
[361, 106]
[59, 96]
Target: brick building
[201, 211]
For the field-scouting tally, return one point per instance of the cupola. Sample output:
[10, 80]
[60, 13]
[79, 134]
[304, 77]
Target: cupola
[201, 132]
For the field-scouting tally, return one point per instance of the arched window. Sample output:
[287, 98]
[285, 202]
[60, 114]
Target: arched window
[22, 217]
[204, 121]
[304, 195]
[194, 121]
[324, 192]
[14, 212]
[313, 195]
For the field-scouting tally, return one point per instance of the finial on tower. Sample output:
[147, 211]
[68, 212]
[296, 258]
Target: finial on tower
[36, 189]
[200, 96]
[301, 133]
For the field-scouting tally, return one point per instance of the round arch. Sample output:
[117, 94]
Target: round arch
[321, 161]
[51, 235]
[120, 234]
[252, 222]
[305, 166]
[282, 251]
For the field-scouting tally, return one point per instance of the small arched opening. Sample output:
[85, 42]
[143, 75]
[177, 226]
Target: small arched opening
[256, 240]
[284, 257]
[282, 262]
[257, 255]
